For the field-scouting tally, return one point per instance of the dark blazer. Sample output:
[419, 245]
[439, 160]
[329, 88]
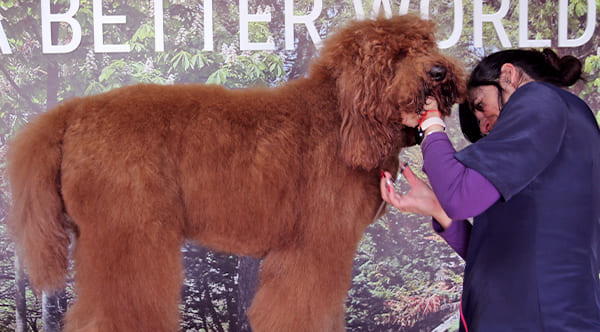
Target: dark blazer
[532, 261]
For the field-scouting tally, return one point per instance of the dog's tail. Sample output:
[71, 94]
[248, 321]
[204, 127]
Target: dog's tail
[36, 220]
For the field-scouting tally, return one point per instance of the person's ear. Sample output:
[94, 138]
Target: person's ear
[509, 76]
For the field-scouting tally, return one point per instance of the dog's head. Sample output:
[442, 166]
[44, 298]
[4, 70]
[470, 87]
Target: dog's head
[384, 70]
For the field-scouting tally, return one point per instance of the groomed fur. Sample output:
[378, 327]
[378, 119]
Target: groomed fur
[288, 174]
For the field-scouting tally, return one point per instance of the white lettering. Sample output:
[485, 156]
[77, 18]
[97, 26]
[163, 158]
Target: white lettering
[245, 20]
[308, 20]
[563, 22]
[99, 21]
[358, 9]
[68, 24]
[208, 26]
[424, 9]
[4, 46]
[159, 35]
[457, 29]
[387, 8]
[403, 7]
[524, 40]
[48, 18]
[479, 17]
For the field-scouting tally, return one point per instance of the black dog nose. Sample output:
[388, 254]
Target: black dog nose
[437, 73]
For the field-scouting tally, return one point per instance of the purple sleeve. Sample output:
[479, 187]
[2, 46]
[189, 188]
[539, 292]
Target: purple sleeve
[462, 192]
[457, 235]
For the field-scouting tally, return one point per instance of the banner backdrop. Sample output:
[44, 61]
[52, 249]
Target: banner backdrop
[405, 277]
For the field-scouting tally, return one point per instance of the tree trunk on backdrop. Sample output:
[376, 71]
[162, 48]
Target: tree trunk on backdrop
[247, 284]
[53, 308]
[20, 302]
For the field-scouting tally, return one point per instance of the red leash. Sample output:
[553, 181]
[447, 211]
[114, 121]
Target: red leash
[422, 117]
[462, 317]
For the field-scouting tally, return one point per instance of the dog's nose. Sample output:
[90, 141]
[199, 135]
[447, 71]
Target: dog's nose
[437, 73]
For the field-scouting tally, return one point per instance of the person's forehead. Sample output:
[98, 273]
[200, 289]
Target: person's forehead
[483, 91]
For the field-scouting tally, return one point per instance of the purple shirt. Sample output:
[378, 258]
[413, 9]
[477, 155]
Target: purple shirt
[462, 192]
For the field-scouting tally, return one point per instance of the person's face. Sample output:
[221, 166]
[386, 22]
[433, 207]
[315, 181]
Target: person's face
[486, 106]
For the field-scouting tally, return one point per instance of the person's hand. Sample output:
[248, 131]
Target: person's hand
[431, 104]
[412, 119]
[420, 199]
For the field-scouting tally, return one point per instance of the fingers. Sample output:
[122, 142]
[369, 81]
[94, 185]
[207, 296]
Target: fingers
[386, 185]
[420, 198]
[410, 176]
[430, 103]
[388, 191]
[389, 194]
[418, 186]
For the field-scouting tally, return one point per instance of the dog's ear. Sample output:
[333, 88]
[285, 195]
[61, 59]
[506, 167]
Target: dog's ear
[366, 60]
[365, 132]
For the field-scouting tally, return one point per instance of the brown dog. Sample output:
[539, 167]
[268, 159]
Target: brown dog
[289, 174]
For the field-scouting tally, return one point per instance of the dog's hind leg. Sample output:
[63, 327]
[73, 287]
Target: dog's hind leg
[302, 290]
[128, 270]
[127, 280]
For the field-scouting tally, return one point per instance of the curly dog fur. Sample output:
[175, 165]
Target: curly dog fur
[290, 174]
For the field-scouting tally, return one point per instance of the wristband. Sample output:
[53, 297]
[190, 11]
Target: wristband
[430, 122]
[425, 125]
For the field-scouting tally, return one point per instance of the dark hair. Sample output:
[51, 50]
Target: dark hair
[469, 123]
[544, 66]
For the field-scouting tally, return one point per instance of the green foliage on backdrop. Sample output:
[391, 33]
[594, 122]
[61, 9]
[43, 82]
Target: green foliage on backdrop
[405, 278]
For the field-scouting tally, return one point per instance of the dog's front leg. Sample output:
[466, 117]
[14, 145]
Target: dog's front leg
[302, 288]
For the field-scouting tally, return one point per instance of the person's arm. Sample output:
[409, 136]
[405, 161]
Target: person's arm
[456, 235]
[527, 137]
[462, 192]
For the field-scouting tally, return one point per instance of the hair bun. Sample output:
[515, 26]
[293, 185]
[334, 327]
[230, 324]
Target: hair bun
[568, 67]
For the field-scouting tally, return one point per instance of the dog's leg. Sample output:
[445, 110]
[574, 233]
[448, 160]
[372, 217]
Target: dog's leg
[303, 289]
[128, 270]
[127, 281]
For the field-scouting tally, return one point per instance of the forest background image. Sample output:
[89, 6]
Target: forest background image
[405, 277]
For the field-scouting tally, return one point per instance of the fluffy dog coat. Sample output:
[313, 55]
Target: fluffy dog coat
[289, 174]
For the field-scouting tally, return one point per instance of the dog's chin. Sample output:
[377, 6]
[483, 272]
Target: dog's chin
[446, 95]
[441, 103]
[410, 137]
